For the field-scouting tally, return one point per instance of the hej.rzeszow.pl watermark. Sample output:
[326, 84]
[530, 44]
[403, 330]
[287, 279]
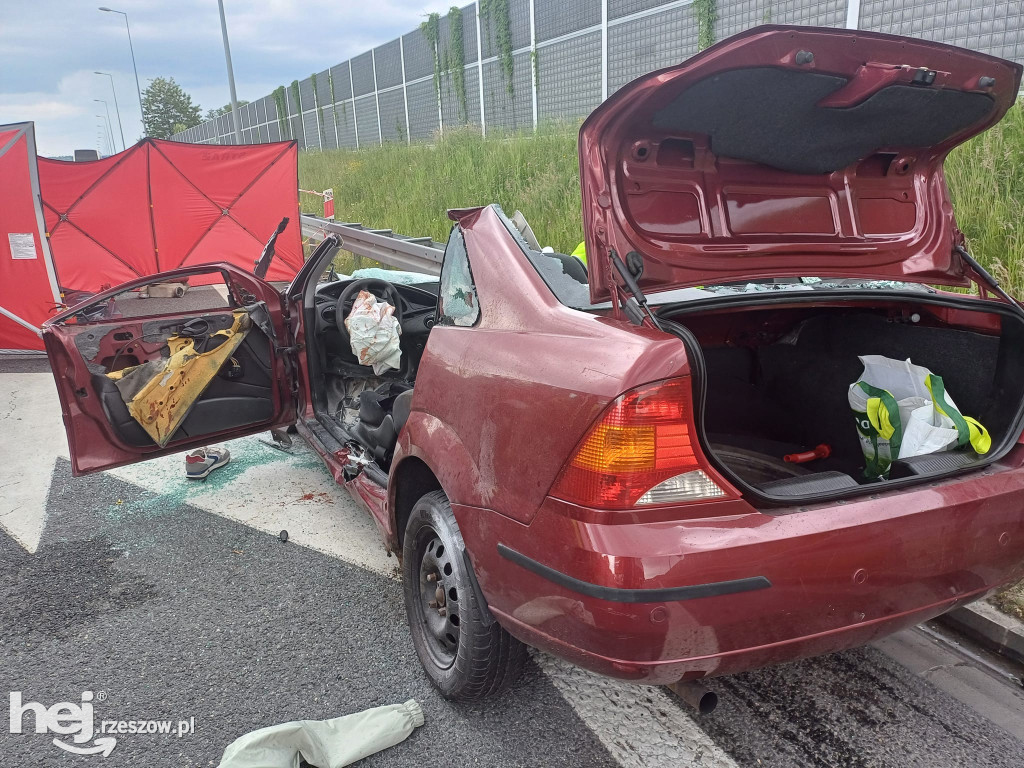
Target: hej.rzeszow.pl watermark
[78, 721]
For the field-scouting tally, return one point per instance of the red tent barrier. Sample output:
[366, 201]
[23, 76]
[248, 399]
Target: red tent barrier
[163, 204]
[28, 289]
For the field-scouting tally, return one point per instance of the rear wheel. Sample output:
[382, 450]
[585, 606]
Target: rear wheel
[464, 654]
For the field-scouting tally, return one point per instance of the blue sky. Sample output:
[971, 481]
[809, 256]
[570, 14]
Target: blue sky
[49, 50]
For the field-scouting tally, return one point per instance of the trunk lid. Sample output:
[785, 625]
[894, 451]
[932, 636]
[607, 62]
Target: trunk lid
[787, 151]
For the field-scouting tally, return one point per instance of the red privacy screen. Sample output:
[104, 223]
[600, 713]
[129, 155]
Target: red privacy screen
[162, 205]
[28, 291]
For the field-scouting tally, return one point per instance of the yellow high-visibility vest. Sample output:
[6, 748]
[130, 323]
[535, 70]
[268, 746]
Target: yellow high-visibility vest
[581, 252]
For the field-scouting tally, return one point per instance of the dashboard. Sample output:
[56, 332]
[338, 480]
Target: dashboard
[419, 307]
[418, 301]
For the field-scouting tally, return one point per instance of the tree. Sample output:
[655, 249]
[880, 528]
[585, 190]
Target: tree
[225, 110]
[166, 108]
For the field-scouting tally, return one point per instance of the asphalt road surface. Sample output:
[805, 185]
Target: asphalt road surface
[176, 601]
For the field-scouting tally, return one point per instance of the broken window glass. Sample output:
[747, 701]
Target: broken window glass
[457, 300]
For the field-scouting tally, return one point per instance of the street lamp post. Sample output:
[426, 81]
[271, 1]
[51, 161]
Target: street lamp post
[231, 74]
[131, 48]
[106, 135]
[110, 131]
[117, 110]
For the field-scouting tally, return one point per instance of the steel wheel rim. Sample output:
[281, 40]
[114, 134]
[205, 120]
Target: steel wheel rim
[437, 598]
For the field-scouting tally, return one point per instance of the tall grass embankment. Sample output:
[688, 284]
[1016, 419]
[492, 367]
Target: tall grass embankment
[409, 188]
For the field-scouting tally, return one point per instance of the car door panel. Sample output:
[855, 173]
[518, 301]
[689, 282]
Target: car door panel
[250, 392]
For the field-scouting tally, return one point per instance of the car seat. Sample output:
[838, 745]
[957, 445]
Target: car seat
[382, 414]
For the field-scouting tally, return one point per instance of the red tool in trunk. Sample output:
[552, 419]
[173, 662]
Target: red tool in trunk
[822, 451]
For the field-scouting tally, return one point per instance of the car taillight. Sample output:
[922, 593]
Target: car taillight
[642, 451]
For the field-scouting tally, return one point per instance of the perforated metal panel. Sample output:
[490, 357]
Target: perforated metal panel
[519, 28]
[617, 8]
[569, 77]
[362, 74]
[323, 87]
[295, 125]
[366, 121]
[389, 65]
[994, 27]
[342, 89]
[455, 106]
[306, 93]
[346, 125]
[641, 38]
[469, 33]
[555, 18]
[327, 135]
[472, 96]
[651, 42]
[310, 130]
[737, 15]
[505, 110]
[419, 58]
[422, 110]
[392, 115]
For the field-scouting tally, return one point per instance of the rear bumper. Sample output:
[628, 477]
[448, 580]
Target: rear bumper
[661, 601]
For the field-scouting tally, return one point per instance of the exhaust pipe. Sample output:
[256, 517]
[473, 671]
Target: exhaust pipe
[696, 695]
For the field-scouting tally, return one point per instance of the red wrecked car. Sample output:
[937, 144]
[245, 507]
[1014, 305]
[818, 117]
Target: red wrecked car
[589, 459]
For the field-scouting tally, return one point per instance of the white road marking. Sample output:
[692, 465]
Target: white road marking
[31, 435]
[639, 725]
[271, 490]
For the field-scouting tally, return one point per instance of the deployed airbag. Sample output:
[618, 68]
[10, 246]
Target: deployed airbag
[374, 333]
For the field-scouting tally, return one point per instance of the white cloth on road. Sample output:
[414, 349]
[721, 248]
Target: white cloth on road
[325, 743]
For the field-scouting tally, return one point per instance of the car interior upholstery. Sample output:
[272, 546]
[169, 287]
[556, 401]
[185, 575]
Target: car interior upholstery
[370, 409]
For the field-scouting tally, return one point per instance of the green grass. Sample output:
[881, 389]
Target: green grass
[986, 180]
[409, 188]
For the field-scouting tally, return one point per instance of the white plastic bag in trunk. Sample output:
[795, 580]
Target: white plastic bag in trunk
[903, 410]
[374, 333]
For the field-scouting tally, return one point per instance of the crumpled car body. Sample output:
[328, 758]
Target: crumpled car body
[610, 436]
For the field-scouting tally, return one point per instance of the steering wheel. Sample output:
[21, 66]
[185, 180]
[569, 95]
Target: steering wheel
[382, 289]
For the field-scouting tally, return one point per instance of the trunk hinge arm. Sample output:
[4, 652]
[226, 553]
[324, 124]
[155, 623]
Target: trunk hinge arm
[635, 307]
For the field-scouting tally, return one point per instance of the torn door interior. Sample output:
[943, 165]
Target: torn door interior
[163, 380]
[160, 393]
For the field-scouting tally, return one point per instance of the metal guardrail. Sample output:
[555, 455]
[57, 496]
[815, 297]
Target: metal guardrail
[416, 254]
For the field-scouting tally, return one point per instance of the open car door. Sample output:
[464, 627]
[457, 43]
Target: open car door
[170, 362]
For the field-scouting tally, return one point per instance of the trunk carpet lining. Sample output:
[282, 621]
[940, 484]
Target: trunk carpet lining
[794, 391]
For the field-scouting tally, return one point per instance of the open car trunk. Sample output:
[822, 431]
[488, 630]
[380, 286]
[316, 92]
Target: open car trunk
[777, 372]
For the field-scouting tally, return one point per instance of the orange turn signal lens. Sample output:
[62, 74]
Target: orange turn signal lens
[643, 439]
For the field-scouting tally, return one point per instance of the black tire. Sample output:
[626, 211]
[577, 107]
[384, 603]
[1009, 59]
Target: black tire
[464, 657]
